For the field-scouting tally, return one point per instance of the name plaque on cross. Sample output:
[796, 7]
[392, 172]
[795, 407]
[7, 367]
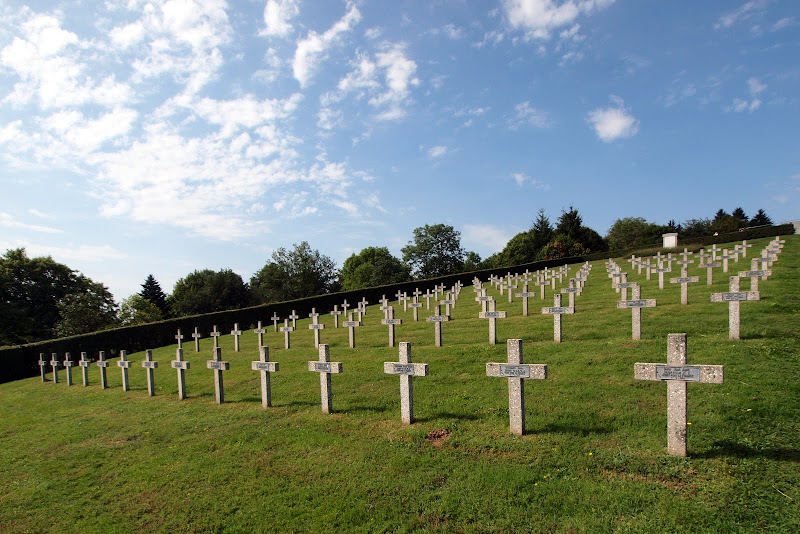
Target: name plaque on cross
[320, 367]
[492, 315]
[437, 318]
[518, 371]
[558, 309]
[689, 373]
[642, 303]
[150, 365]
[265, 366]
[733, 297]
[180, 364]
[218, 365]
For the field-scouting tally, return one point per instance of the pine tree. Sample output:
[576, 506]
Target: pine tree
[151, 290]
[760, 219]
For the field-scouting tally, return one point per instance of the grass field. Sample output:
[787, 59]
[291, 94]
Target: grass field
[593, 458]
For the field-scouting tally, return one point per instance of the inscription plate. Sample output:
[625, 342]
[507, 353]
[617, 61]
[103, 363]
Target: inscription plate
[625, 285]
[415, 305]
[732, 297]
[526, 294]
[745, 274]
[126, 364]
[149, 365]
[684, 279]
[84, 363]
[322, 367]
[403, 368]
[688, 373]
[102, 364]
[180, 364]
[437, 318]
[570, 290]
[515, 371]
[217, 365]
[265, 366]
[286, 329]
[560, 309]
[483, 299]
[392, 321]
[351, 324]
[316, 327]
[493, 315]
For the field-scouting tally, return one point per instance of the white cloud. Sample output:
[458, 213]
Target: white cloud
[314, 48]
[527, 115]
[755, 88]
[613, 123]
[783, 23]
[277, 14]
[522, 179]
[437, 151]
[10, 221]
[486, 235]
[743, 12]
[538, 18]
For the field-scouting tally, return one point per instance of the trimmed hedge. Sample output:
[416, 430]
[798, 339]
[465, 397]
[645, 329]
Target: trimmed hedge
[22, 361]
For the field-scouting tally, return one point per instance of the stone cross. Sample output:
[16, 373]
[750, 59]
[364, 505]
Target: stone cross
[325, 367]
[42, 365]
[428, 297]
[709, 267]
[84, 363]
[54, 363]
[275, 320]
[215, 334]
[636, 305]
[265, 367]
[677, 374]
[493, 316]
[218, 366]
[661, 270]
[351, 332]
[363, 305]
[447, 303]
[68, 363]
[714, 249]
[556, 311]
[407, 372]
[734, 297]
[744, 247]
[725, 256]
[385, 307]
[417, 293]
[483, 298]
[437, 321]
[510, 287]
[102, 364]
[286, 329]
[260, 332]
[684, 281]
[416, 305]
[399, 297]
[542, 284]
[316, 326]
[181, 366]
[405, 298]
[391, 322]
[236, 333]
[179, 337]
[344, 308]
[571, 291]
[294, 317]
[336, 313]
[516, 372]
[623, 286]
[124, 364]
[149, 364]
[525, 295]
[753, 274]
[196, 335]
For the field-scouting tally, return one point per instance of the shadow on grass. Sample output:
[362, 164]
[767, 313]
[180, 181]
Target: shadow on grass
[365, 409]
[447, 415]
[561, 428]
[302, 403]
[721, 449]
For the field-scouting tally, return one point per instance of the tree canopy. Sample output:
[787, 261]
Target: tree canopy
[294, 274]
[151, 290]
[86, 311]
[373, 266]
[138, 310]
[208, 291]
[435, 251]
[634, 232]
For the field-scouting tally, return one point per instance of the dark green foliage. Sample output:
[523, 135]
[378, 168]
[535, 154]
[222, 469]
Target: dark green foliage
[472, 262]
[373, 266]
[520, 249]
[88, 310]
[569, 224]
[435, 251]
[151, 290]
[138, 310]
[740, 217]
[760, 219]
[208, 291]
[293, 274]
[634, 232]
[695, 228]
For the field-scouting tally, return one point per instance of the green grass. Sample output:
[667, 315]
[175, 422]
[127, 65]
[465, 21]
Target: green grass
[593, 458]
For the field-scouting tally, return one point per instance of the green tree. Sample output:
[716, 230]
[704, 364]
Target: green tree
[138, 310]
[435, 251]
[542, 231]
[207, 291]
[760, 219]
[634, 232]
[294, 274]
[90, 310]
[723, 222]
[151, 290]
[696, 228]
[472, 262]
[373, 266]
[520, 249]
[569, 224]
[740, 217]
[30, 290]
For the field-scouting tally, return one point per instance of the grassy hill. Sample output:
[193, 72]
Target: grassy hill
[593, 458]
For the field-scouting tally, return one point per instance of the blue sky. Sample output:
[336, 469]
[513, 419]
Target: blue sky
[141, 137]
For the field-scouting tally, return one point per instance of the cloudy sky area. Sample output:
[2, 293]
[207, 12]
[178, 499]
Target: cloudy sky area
[161, 137]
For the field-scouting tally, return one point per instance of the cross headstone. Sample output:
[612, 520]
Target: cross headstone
[493, 316]
[542, 284]
[150, 365]
[745, 246]
[516, 372]
[236, 333]
[351, 330]
[709, 267]
[447, 303]
[405, 298]
[437, 321]
[179, 337]
[714, 249]
[407, 372]
[265, 367]
[68, 363]
[416, 305]
[525, 295]
[734, 297]
[336, 313]
[260, 332]
[344, 308]
[556, 311]
[215, 334]
[325, 367]
[294, 317]
[84, 363]
[363, 305]
[275, 320]
[181, 366]
[661, 270]
[55, 364]
[725, 256]
[103, 365]
[196, 335]
[391, 322]
[684, 281]
[623, 287]
[483, 298]
[124, 364]
[677, 374]
[428, 297]
[753, 274]
[218, 366]
[571, 291]
[42, 365]
[286, 329]
[385, 307]
[316, 326]
[636, 304]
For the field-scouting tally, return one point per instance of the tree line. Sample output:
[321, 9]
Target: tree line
[41, 298]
